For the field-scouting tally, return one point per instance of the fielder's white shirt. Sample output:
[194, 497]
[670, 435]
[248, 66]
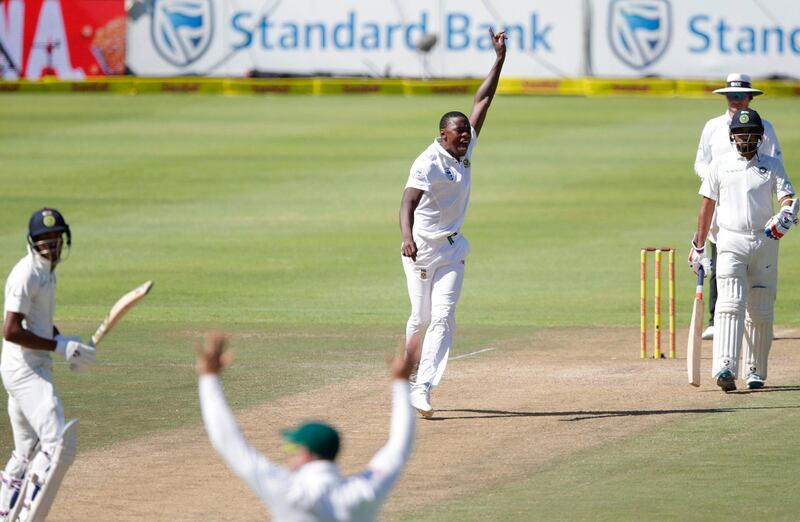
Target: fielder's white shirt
[715, 142]
[30, 291]
[446, 183]
[317, 491]
[744, 190]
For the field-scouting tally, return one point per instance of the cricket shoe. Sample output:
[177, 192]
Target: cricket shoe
[754, 382]
[708, 333]
[726, 380]
[420, 400]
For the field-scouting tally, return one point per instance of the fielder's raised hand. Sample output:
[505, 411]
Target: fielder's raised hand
[212, 357]
[499, 43]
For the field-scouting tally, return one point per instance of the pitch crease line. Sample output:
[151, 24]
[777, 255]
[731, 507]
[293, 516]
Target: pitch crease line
[471, 354]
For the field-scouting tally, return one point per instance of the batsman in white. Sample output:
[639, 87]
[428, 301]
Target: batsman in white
[29, 336]
[432, 211]
[715, 142]
[313, 488]
[741, 185]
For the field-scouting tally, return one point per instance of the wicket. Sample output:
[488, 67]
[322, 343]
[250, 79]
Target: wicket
[657, 299]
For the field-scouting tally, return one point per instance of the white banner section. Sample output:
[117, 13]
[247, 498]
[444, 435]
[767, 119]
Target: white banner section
[409, 38]
[691, 39]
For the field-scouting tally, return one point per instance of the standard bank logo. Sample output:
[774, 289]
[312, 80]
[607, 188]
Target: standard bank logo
[639, 31]
[181, 30]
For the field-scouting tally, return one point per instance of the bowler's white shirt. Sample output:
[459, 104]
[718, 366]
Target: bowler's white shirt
[715, 142]
[317, 491]
[744, 190]
[446, 183]
[30, 291]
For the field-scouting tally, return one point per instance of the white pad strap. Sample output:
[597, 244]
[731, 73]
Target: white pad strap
[43, 487]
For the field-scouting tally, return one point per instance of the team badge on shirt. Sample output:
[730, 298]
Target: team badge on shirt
[423, 273]
[467, 163]
[449, 174]
[419, 174]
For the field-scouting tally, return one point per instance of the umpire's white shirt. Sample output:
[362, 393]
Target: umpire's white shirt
[30, 291]
[446, 182]
[317, 491]
[744, 189]
[715, 142]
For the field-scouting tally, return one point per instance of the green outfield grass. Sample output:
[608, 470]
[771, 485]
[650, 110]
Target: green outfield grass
[275, 218]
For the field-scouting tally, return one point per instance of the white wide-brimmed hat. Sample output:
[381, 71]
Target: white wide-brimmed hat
[737, 82]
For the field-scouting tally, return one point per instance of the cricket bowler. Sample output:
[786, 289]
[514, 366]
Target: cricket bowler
[434, 250]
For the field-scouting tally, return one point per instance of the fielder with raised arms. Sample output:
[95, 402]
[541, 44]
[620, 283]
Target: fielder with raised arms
[313, 488]
[43, 445]
[434, 205]
[741, 184]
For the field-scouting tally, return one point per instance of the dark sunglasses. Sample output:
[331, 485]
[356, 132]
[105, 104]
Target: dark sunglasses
[736, 95]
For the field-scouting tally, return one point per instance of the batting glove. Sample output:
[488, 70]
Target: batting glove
[77, 354]
[697, 258]
[779, 224]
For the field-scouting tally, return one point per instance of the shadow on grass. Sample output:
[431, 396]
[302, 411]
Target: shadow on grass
[581, 415]
[767, 389]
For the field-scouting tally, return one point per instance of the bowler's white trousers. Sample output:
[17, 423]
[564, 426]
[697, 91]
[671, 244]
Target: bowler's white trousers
[434, 285]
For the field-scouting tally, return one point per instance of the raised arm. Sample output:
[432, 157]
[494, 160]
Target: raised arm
[223, 431]
[385, 466]
[485, 93]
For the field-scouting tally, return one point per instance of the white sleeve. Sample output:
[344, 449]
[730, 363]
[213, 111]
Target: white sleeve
[258, 473]
[703, 158]
[710, 186]
[418, 177]
[19, 293]
[771, 145]
[385, 466]
[783, 187]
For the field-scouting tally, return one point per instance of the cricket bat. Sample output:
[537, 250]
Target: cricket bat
[120, 308]
[694, 346]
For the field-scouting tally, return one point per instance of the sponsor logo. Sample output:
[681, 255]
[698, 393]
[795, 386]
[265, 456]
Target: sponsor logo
[449, 174]
[181, 30]
[762, 170]
[639, 31]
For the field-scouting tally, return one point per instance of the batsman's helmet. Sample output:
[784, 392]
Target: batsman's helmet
[47, 221]
[747, 124]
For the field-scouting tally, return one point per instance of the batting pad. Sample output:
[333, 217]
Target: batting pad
[49, 484]
[758, 331]
[728, 324]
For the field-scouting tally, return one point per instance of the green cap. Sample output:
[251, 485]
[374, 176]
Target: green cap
[316, 437]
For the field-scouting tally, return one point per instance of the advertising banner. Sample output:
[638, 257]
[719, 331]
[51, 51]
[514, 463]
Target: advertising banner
[381, 38]
[690, 39]
[67, 39]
